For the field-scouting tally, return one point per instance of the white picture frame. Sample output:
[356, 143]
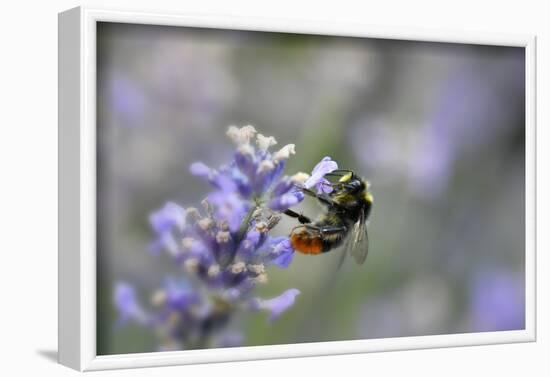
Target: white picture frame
[77, 191]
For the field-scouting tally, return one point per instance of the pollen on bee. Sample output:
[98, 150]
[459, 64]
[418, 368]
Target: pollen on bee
[368, 197]
[346, 177]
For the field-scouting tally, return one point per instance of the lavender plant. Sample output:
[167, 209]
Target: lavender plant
[225, 248]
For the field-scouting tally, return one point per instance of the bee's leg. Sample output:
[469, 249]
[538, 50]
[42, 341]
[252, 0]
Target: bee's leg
[301, 218]
[311, 227]
[334, 185]
[323, 198]
[325, 230]
[309, 192]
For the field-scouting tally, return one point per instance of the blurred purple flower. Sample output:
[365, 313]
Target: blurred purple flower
[179, 294]
[430, 168]
[278, 305]
[193, 78]
[468, 108]
[468, 111]
[165, 222]
[126, 303]
[201, 170]
[170, 216]
[226, 247]
[497, 301]
[285, 201]
[127, 99]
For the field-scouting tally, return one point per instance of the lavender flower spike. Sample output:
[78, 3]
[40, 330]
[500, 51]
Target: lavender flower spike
[225, 249]
[317, 180]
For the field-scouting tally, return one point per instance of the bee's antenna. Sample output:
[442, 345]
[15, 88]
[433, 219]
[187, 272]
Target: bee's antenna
[342, 171]
[339, 173]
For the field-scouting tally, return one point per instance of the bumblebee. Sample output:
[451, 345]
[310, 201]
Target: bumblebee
[348, 207]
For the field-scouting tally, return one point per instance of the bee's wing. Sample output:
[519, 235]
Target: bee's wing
[357, 243]
[360, 245]
[345, 251]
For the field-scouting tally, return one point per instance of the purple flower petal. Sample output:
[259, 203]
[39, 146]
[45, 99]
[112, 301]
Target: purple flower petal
[325, 166]
[284, 202]
[282, 254]
[246, 161]
[163, 222]
[278, 305]
[201, 170]
[168, 217]
[249, 244]
[274, 241]
[178, 294]
[198, 249]
[225, 183]
[324, 186]
[167, 241]
[242, 182]
[284, 259]
[229, 207]
[126, 304]
[282, 187]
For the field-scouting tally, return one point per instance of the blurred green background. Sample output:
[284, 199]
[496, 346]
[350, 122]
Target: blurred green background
[438, 130]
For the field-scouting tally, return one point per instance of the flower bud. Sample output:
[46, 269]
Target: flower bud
[264, 142]
[285, 152]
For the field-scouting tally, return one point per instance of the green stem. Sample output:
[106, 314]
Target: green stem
[245, 224]
[242, 231]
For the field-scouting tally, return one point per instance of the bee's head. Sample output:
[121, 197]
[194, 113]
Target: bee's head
[346, 178]
[355, 184]
[352, 181]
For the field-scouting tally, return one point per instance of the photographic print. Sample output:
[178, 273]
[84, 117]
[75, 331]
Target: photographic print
[265, 188]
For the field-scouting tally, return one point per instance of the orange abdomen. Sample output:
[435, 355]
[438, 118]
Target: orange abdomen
[306, 244]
